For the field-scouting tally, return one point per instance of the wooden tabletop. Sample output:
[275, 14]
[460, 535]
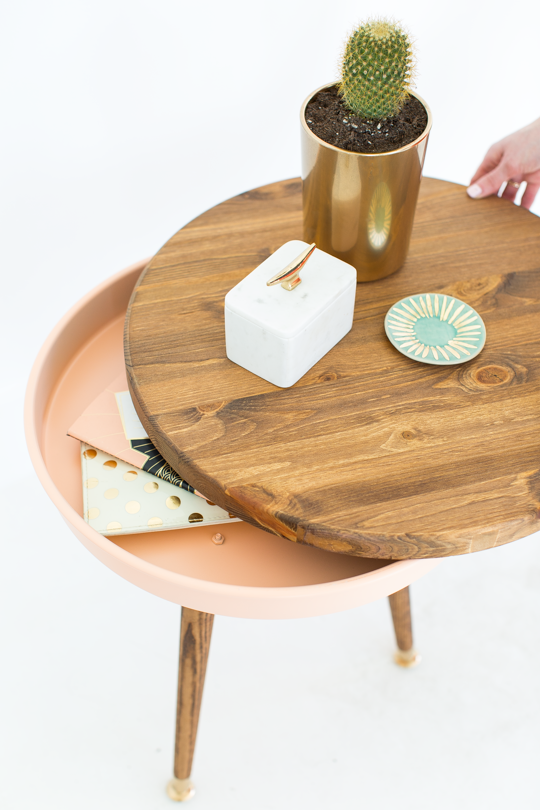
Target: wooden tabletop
[370, 453]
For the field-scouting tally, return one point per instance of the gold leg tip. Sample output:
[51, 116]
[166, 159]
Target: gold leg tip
[407, 658]
[180, 790]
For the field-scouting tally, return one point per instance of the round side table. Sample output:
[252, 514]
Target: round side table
[253, 574]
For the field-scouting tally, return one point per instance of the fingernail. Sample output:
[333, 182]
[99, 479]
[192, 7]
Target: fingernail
[474, 191]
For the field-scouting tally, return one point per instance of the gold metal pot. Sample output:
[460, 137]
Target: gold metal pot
[360, 207]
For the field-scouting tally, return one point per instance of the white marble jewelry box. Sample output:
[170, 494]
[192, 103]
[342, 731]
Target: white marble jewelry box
[280, 334]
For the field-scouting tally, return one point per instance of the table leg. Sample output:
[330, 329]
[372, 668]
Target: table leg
[400, 605]
[195, 635]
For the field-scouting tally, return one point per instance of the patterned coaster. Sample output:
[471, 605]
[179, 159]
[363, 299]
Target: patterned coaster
[120, 499]
[434, 328]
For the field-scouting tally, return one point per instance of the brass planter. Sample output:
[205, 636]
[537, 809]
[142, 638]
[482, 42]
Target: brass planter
[360, 207]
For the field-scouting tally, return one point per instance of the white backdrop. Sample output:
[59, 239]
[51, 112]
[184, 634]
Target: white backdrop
[121, 122]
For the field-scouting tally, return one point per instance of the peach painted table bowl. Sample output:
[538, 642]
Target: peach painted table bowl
[254, 574]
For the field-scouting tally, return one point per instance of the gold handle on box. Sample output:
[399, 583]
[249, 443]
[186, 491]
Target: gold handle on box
[289, 278]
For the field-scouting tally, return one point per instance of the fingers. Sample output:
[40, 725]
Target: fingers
[511, 191]
[531, 190]
[513, 160]
[489, 183]
[491, 160]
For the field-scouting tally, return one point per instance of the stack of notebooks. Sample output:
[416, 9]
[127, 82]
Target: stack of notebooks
[128, 486]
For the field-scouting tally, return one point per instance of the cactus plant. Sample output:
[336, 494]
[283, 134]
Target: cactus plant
[377, 69]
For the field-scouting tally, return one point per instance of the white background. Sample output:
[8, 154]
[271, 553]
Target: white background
[121, 122]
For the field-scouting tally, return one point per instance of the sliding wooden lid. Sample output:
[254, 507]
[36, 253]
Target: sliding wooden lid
[370, 453]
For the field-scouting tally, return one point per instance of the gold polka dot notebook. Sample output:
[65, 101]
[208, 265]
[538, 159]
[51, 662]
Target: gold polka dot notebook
[121, 499]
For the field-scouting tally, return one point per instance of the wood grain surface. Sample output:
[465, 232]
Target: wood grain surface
[400, 607]
[370, 453]
[195, 636]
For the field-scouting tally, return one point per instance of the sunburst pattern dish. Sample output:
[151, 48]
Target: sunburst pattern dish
[435, 328]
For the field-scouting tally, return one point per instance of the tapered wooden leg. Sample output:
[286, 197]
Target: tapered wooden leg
[400, 605]
[195, 635]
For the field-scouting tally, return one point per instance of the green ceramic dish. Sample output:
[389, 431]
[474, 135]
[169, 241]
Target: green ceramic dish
[435, 328]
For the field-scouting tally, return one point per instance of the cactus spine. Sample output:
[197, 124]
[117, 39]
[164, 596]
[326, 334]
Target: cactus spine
[377, 69]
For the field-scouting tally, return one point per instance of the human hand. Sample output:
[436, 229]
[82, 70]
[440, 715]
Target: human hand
[514, 160]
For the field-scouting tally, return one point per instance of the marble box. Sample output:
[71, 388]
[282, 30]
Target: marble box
[280, 334]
